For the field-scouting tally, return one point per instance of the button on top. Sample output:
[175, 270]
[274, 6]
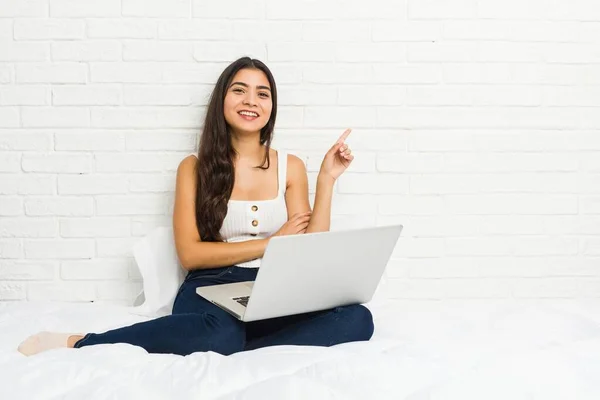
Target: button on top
[254, 223]
[254, 208]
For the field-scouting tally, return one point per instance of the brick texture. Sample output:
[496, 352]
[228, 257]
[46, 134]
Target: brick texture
[474, 125]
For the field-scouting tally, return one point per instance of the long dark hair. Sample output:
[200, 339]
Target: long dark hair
[215, 167]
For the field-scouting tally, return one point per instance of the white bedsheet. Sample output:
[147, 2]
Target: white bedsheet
[508, 350]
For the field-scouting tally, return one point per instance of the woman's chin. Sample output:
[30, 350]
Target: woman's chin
[247, 128]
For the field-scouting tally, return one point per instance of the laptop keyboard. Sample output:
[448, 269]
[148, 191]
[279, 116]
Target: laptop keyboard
[242, 300]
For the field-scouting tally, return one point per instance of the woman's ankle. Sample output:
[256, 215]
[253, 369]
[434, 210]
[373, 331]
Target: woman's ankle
[72, 340]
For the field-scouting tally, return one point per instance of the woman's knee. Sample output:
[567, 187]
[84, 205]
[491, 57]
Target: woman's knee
[221, 335]
[226, 336]
[359, 321]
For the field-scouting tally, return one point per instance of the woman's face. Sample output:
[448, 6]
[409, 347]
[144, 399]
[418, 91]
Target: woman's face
[248, 101]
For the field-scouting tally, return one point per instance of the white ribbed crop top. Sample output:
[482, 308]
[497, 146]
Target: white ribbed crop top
[258, 219]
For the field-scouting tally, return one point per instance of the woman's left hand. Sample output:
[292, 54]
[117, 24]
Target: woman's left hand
[338, 158]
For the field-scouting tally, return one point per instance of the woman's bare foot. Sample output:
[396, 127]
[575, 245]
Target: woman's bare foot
[43, 341]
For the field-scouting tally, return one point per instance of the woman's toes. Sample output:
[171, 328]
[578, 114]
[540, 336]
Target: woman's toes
[29, 346]
[43, 341]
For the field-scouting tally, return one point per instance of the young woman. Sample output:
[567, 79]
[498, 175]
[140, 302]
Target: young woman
[230, 199]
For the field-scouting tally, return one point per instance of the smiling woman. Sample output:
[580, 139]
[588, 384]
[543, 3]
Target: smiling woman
[236, 139]
[241, 89]
[230, 199]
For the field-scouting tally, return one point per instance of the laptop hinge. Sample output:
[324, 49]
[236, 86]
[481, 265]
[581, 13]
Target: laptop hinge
[227, 310]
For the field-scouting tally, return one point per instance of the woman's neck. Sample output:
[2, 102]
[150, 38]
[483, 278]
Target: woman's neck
[248, 147]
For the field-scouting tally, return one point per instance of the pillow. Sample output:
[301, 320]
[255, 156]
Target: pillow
[162, 274]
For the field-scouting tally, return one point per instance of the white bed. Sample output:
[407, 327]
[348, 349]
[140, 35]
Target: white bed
[536, 349]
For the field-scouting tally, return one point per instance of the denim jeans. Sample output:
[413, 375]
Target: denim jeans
[198, 325]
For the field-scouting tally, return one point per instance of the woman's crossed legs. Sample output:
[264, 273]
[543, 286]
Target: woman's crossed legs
[198, 325]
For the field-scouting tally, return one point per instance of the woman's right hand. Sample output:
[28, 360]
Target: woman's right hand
[296, 225]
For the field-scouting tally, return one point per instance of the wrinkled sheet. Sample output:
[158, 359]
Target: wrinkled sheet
[460, 349]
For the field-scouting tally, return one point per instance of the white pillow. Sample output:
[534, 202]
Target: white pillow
[162, 274]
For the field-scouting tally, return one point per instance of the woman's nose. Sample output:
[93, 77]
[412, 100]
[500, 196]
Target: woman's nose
[250, 100]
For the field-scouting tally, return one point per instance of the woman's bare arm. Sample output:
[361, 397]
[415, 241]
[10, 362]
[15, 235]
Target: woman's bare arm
[321, 216]
[192, 252]
[296, 196]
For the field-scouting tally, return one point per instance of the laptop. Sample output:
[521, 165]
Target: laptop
[310, 272]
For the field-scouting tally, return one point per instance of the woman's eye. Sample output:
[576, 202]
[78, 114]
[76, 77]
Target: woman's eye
[264, 95]
[238, 90]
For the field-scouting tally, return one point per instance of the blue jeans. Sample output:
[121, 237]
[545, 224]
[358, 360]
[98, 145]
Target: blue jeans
[198, 325]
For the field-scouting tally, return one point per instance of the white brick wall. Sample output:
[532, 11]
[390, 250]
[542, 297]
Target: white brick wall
[475, 125]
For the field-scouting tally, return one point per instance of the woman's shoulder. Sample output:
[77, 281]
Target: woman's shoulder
[296, 170]
[190, 158]
[295, 163]
[188, 164]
